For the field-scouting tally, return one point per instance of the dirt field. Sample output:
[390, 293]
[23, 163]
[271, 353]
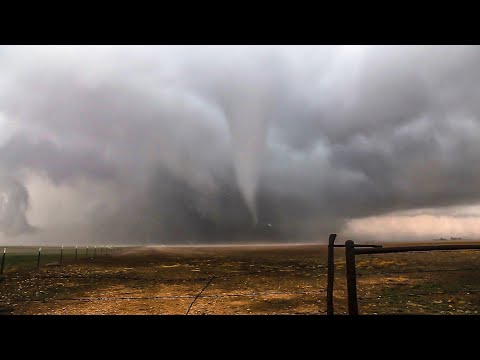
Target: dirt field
[243, 280]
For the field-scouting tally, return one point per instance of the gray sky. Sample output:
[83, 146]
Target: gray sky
[212, 143]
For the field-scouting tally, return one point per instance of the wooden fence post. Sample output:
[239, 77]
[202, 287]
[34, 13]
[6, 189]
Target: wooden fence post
[76, 252]
[38, 258]
[351, 278]
[3, 260]
[61, 255]
[331, 273]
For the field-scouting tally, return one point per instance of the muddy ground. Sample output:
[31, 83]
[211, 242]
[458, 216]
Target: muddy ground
[243, 280]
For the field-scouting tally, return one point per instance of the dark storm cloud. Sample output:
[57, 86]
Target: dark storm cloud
[58, 164]
[202, 142]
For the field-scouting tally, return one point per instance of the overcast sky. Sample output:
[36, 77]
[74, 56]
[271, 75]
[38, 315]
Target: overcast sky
[223, 144]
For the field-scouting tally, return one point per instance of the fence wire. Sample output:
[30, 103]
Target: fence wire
[19, 276]
[319, 272]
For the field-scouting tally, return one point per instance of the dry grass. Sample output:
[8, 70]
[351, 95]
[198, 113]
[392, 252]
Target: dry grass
[246, 280]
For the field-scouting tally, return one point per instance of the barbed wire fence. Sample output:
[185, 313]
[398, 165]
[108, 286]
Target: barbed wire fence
[85, 253]
[58, 256]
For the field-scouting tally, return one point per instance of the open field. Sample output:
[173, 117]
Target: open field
[235, 280]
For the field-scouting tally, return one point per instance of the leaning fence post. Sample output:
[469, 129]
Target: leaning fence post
[61, 255]
[331, 273]
[3, 260]
[351, 278]
[76, 252]
[38, 258]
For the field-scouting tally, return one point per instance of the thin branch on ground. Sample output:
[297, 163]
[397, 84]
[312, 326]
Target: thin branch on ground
[200, 293]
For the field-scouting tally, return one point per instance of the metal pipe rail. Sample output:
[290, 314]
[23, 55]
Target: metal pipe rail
[360, 246]
[400, 249]
[351, 250]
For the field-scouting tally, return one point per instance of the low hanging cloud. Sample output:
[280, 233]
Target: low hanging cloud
[209, 144]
